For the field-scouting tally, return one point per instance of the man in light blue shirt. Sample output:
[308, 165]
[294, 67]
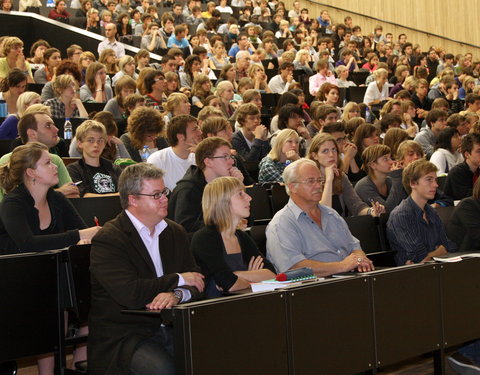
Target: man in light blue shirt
[177, 39]
[307, 234]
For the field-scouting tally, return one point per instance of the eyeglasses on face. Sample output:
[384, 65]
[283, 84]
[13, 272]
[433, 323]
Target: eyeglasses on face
[100, 141]
[312, 181]
[164, 193]
[224, 157]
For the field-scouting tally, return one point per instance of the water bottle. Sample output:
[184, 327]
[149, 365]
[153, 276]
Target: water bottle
[3, 108]
[145, 153]
[67, 129]
[368, 116]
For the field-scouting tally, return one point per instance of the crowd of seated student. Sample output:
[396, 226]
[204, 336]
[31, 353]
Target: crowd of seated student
[358, 175]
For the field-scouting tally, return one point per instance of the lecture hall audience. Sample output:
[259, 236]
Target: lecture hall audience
[407, 105]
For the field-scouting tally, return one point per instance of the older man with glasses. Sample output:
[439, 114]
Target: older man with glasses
[307, 234]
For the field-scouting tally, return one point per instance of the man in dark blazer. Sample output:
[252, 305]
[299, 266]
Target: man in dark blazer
[138, 260]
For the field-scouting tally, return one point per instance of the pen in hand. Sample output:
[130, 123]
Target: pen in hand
[95, 219]
[77, 183]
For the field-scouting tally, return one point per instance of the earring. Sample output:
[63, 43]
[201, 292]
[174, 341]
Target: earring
[34, 181]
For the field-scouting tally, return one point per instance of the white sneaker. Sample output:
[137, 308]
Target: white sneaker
[463, 365]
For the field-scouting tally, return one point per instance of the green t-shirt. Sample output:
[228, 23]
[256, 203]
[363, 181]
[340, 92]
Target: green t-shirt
[5, 69]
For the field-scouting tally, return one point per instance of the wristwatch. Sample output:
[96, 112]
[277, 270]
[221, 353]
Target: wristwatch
[178, 293]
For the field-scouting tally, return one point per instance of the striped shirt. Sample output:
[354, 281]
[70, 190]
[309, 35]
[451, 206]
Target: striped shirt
[411, 236]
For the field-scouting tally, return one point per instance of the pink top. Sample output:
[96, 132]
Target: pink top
[316, 81]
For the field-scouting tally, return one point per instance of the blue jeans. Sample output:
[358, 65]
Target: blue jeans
[154, 355]
[471, 351]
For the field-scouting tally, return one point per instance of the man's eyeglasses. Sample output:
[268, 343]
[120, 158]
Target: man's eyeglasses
[164, 193]
[312, 181]
[100, 141]
[224, 157]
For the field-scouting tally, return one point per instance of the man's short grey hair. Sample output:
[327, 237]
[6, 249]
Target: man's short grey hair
[290, 174]
[241, 54]
[132, 177]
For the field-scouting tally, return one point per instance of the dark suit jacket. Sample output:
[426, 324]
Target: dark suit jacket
[123, 277]
[463, 228]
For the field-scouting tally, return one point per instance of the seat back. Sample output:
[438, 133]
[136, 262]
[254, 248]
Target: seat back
[269, 101]
[68, 161]
[441, 181]
[365, 229]
[342, 96]
[260, 209]
[136, 40]
[104, 208]
[359, 77]
[35, 87]
[5, 146]
[445, 213]
[279, 197]
[356, 94]
[79, 257]
[93, 107]
[257, 232]
[386, 257]
[29, 305]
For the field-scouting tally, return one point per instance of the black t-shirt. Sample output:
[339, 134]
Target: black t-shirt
[95, 180]
[100, 181]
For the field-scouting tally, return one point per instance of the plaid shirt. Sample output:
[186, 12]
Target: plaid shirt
[270, 170]
[58, 108]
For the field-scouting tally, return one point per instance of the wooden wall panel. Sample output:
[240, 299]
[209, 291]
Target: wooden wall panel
[450, 20]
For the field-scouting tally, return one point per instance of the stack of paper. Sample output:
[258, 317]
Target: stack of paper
[272, 284]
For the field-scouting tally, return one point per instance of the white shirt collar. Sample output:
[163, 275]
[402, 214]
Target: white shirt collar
[140, 227]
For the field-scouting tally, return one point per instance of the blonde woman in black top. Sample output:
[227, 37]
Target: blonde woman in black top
[228, 256]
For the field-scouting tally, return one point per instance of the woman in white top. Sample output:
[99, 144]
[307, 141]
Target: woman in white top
[446, 154]
[127, 67]
[377, 91]
[224, 8]
[342, 74]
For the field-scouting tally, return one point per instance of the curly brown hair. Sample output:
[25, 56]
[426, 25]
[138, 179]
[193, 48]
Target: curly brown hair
[144, 121]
